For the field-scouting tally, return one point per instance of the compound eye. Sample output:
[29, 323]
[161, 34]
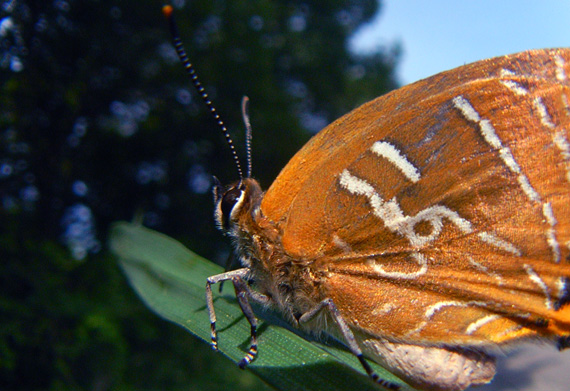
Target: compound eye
[229, 200]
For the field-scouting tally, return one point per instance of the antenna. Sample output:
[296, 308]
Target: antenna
[167, 10]
[248, 132]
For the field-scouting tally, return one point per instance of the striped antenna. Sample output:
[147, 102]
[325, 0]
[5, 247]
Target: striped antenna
[167, 10]
[248, 132]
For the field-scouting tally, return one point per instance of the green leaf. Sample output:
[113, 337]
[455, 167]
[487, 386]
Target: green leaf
[171, 280]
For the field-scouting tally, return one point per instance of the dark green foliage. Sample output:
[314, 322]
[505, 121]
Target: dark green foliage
[98, 123]
[70, 325]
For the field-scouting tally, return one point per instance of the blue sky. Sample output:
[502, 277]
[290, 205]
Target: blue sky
[437, 35]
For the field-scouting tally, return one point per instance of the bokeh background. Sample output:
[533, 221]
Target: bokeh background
[99, 123]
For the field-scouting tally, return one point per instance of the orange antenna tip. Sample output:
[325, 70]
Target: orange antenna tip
[167, 11]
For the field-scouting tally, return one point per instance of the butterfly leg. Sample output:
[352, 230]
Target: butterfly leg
[243, 294]
[229, 263]
[348, 337]
[563, 342]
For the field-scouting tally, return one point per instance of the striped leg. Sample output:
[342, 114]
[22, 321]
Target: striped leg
[348, 337]
[243, 293]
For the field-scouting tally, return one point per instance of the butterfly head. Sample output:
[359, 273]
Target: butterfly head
[236, 205]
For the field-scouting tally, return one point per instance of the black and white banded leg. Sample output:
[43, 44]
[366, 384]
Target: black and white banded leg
[243, 293]
[348, 338]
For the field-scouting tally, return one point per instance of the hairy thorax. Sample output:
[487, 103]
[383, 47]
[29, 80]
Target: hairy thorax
[292, 285]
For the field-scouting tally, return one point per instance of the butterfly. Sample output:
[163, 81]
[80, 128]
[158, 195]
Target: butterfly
[427, 229]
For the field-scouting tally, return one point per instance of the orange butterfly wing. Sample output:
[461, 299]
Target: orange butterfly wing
[440, 213]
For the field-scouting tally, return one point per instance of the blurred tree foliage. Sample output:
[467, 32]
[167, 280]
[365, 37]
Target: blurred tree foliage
[98, 122]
